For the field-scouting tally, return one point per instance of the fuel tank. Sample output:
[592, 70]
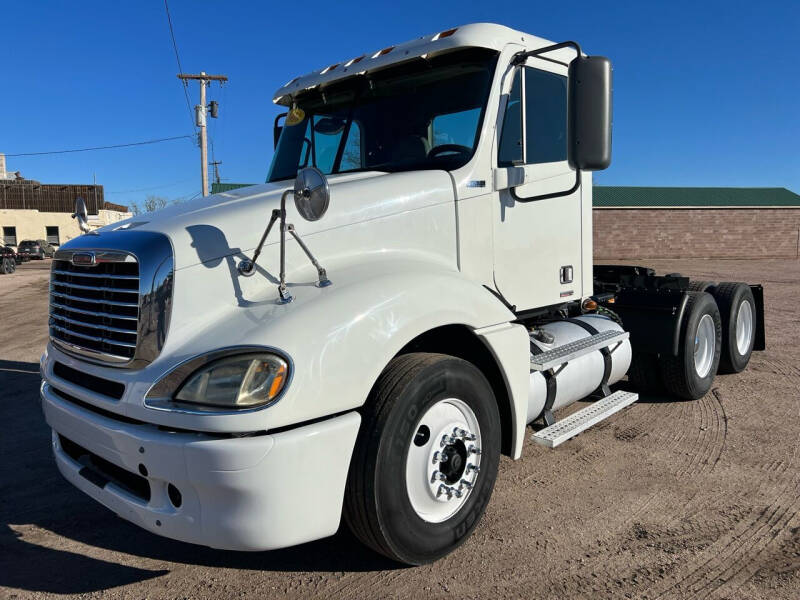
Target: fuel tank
[582, 375]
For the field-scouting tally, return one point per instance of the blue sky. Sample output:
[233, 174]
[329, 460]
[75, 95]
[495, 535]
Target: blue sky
[706, 93]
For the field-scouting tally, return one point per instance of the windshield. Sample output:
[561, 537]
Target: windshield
[422, 114]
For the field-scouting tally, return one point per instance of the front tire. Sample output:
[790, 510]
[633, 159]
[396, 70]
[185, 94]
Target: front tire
[404, 499]
[690, 374]
[8, 266]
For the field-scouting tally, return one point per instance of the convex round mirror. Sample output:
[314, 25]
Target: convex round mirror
[311, 193]
[81, 215]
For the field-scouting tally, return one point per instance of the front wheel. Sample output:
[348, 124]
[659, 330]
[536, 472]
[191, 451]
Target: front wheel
[8, 266]
[426, 458]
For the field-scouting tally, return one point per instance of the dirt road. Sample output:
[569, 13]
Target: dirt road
[667, 499]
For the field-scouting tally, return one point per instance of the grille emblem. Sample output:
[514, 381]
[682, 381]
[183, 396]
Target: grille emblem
[83, 259]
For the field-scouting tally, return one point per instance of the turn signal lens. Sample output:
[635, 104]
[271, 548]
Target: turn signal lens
[589, 304]
[242, 381]
[444, 34]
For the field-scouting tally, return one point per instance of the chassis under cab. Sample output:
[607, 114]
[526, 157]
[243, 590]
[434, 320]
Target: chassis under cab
[360, 338]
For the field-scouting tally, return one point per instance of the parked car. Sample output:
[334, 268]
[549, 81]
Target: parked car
[18, 258]
[8, 260]
[39, 249]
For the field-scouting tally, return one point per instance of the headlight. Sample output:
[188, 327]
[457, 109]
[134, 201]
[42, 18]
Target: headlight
[241, 381]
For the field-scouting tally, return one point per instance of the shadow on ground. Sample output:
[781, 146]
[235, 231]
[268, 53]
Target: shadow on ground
[32, 492]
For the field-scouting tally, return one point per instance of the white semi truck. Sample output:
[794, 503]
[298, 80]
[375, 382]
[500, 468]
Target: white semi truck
[365, 334]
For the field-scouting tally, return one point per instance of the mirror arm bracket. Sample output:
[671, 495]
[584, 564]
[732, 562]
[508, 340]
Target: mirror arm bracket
[521, 57]
[573, 189]
[247, 267]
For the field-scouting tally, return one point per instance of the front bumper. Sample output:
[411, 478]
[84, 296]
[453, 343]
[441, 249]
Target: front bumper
[237, 493]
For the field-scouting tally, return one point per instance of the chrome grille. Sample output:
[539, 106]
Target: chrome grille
[96, 308]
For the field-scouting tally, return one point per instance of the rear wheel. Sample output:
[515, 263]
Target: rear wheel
[737, 310]
[690, 374]
[425, 460]
[702, 286]
[8, 266]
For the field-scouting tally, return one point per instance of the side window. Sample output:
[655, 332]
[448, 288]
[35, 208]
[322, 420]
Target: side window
[352, 156]
[545, 116]
[509, 152]
[327, 135]
[457, 128]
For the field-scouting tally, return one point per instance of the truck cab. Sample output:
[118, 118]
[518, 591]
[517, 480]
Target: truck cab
[364, 334]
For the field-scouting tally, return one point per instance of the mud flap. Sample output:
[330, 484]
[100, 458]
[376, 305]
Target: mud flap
[760, 341]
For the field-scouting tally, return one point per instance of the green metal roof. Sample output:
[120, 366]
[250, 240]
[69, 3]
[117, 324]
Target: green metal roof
[618, 196]
[218, 188]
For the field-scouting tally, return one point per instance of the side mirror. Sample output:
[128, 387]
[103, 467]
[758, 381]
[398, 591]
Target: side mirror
[311, 193]
[589, 120]
[81, 215]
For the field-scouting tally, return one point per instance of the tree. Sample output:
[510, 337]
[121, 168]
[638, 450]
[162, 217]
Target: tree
[154, 203]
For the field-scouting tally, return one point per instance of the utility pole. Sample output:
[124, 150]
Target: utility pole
[200, 117]
[216, 164]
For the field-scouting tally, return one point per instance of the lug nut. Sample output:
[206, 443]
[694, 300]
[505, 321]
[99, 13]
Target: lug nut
[447, 440]
[445, 490]
[457, 492]
[465, 483]
[438, 476]
[470, 437]
[473, 468]
[439, 457]
[475, 450]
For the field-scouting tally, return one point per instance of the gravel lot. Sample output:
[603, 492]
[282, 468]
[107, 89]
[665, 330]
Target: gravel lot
[667, 499]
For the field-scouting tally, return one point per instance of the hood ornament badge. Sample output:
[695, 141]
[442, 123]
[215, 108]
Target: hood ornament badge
[311, 197]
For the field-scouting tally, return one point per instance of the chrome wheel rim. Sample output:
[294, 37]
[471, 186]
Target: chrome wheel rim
[744, 327]
[443, 460]
[705, 341]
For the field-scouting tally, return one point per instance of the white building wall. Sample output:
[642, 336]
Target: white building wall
[31, 224]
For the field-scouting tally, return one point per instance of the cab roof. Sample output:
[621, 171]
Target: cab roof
[475, 35]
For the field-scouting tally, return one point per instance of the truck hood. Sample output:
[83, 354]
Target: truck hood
[231, 223]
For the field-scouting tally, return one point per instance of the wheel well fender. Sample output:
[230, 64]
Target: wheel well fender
[468, 344]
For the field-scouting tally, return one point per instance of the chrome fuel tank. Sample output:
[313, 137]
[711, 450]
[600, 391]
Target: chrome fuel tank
[582, 375]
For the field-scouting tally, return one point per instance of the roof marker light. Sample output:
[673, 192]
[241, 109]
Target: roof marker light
[328, 69]
[382, 52]
[290, 82]
[353, 61]
[444, 34]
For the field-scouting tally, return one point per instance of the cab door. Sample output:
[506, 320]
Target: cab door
[537, 241]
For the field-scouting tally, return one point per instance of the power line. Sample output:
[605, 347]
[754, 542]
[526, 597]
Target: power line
[180, 68]
[155, 141]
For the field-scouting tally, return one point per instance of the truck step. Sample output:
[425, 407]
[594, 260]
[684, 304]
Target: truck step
[563, 354]
[563, 430]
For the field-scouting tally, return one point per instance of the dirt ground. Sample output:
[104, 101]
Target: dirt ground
[666, 499]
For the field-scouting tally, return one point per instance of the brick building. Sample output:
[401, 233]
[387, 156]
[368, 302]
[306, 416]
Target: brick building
[672, 222]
